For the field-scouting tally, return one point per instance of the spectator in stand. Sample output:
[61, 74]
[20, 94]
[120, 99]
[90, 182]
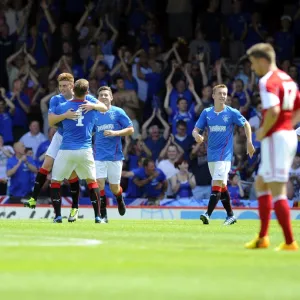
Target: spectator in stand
[33, 138]
[133, 191]
[134, 150]
[184, 181]
[22, 103]
[171, 153]
[7, 109]
[20, 168]
[255, 121]
[235, 189]
[153, 180]
[284, 40]
[182, 112]
[5, 153]
[154, 141]
[183, 138]
[199, 167]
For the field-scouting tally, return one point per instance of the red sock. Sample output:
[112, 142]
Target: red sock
[264, 208]
[282, 211]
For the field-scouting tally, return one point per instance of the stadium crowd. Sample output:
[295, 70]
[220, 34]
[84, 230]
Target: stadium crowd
[161, 58]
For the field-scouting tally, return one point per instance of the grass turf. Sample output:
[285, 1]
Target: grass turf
[143, 260]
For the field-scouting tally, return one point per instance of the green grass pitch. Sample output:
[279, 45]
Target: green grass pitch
[144, 260]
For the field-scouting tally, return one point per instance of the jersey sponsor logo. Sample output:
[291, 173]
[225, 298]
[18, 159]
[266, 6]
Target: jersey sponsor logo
[217, 128]
[105, 127]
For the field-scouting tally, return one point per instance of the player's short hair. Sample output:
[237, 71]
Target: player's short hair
[262, 50]
[65, 77]
[81, 87]
[218, 86]
[104, 88]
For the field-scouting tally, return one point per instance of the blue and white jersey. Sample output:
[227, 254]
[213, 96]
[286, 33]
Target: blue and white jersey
[109, 148]
[77, 134]
[220, 131]
[59, 99]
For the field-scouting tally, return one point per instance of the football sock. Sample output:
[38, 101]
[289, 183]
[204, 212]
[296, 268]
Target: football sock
[55, 197]
[103, 211]
[282, 211]
[213, 200]
[39, 182]
[95, 197]
[264, 209]
[75, 191]
[225, 199]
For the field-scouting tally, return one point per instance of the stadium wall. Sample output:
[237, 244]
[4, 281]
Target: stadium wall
[136, 213]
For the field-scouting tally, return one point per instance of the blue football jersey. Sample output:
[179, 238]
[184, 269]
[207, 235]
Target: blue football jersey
[77, 134]
[57, 100]
[109, 148]
[220, 131]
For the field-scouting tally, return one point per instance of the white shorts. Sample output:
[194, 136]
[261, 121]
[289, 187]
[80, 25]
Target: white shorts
[277, 154]
[81, 161]
[112, 170]
[219, 170]
[54, 145]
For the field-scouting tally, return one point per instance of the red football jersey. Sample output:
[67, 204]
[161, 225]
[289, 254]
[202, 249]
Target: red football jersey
[278, 88]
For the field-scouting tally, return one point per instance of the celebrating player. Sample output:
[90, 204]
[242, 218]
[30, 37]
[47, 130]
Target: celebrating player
[111, 126]
[278, 144]
[220, 120]
[65, 84]
[76, 152]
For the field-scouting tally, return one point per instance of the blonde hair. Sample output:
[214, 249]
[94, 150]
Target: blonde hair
[218, 86]
[65, 77]
[263, 50]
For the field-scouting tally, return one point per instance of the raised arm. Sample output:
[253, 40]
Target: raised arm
[199, 104]
[164, 124]
[146, 125]
[163, 152]
[99, 58]
[179, 148]
[167, 107]
[55, 69]
[49, 18]
[88, 9]
[169, 78]
[112, 28]
[24, 19]
[8, 102]
[44, 102]
[97, 32]
[11, 58]
[178, 58]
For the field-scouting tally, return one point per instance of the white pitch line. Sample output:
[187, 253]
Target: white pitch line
[12, 241]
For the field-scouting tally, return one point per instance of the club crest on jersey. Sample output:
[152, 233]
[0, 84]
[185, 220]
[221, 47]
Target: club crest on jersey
[112, 115]
[225, 118]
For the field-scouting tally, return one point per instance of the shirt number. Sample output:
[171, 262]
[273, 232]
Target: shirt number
[290, 93]
[80, 118]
